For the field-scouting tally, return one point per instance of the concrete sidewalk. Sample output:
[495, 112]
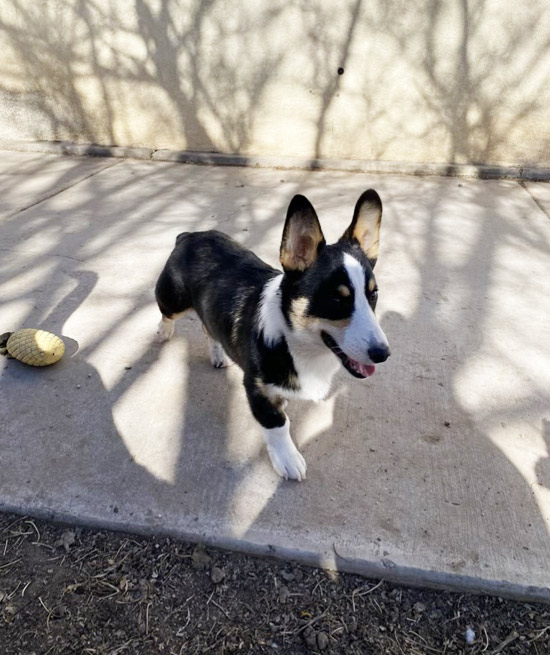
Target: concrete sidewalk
[435, 471]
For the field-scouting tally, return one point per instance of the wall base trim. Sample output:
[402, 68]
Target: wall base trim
[479, 171]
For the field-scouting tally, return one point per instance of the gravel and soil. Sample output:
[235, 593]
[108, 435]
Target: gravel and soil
[71, 590]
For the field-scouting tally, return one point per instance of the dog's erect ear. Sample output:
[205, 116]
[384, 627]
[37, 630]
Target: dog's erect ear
[303, 238]
[365, 225]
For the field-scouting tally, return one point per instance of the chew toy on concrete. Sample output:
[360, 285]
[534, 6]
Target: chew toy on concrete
[33, 347]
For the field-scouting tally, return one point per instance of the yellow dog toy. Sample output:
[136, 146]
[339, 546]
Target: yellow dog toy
[33, 347]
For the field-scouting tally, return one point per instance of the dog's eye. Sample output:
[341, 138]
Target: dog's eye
[373, 295]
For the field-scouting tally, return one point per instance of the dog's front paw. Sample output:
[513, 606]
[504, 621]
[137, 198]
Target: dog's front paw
[285, 457]
[288, 462]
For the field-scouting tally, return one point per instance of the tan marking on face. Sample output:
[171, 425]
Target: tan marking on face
[298, 313]
[372, 284]
[344, 291]
[300, 318]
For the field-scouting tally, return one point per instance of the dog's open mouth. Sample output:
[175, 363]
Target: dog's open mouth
[355, 368]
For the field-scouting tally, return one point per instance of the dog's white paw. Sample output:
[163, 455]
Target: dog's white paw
[165, 330]
[285, 457]
[288, 462]
[218, 356]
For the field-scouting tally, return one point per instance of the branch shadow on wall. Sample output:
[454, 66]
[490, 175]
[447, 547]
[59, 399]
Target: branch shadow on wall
[468, 93]
[197, 58]
[169, 56]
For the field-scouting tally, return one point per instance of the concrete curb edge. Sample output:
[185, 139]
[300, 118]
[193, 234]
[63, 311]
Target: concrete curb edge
[478, 171]
[379, 569]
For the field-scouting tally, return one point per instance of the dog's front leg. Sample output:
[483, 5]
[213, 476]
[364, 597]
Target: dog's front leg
[285, 457]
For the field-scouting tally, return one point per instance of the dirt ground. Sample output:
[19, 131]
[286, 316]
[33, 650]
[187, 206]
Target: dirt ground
[69, 590]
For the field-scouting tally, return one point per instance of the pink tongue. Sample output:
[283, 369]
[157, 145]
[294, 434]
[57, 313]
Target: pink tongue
[365, 369]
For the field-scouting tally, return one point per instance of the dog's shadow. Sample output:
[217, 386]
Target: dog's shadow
[393, 464]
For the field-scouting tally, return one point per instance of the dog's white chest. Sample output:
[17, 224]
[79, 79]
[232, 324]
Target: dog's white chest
[315, 375]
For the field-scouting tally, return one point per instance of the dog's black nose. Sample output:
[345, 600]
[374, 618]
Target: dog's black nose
[379, 354]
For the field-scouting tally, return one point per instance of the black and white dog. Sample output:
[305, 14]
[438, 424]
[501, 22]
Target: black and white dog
[290, 331]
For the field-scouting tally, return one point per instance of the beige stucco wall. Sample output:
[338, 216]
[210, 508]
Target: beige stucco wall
[440, 81]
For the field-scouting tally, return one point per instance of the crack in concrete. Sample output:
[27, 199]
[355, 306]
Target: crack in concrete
[537, 203]
[48, 254]
[62, 189]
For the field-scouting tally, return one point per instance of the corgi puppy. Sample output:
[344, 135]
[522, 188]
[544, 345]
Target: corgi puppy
[289, 331]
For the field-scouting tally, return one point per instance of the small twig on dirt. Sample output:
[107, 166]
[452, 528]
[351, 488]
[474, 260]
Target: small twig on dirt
[542, 632]
[422, 646]
[179, 607]
[214, 645]
[315, 588]
[147, 617]
[91, 552]
[455, 618]
[359, 592]
[419, 636]
[15, 561]
[36, 529]
[116, 591]
[373, 600]
[56, 559]
[43, 604]
[12, 594]
[25, 588]
[17, 520]
[210, 600]
[181, 630]
[119, 649]
[212, 627]
[49, 612]
[509, 639]
[39, 543]
[394, 641]
[369, 591]
[486, 639]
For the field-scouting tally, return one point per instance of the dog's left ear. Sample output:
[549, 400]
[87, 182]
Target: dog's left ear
[303, 238]
[365, 225]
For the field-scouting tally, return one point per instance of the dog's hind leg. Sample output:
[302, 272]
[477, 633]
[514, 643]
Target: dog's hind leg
[165, 329]
[173, 300]
[218, 356]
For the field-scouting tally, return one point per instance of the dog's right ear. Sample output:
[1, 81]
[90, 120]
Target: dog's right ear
[365, 225]
[303, 238]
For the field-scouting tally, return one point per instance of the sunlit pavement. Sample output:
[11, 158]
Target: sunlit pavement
[434, 471]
